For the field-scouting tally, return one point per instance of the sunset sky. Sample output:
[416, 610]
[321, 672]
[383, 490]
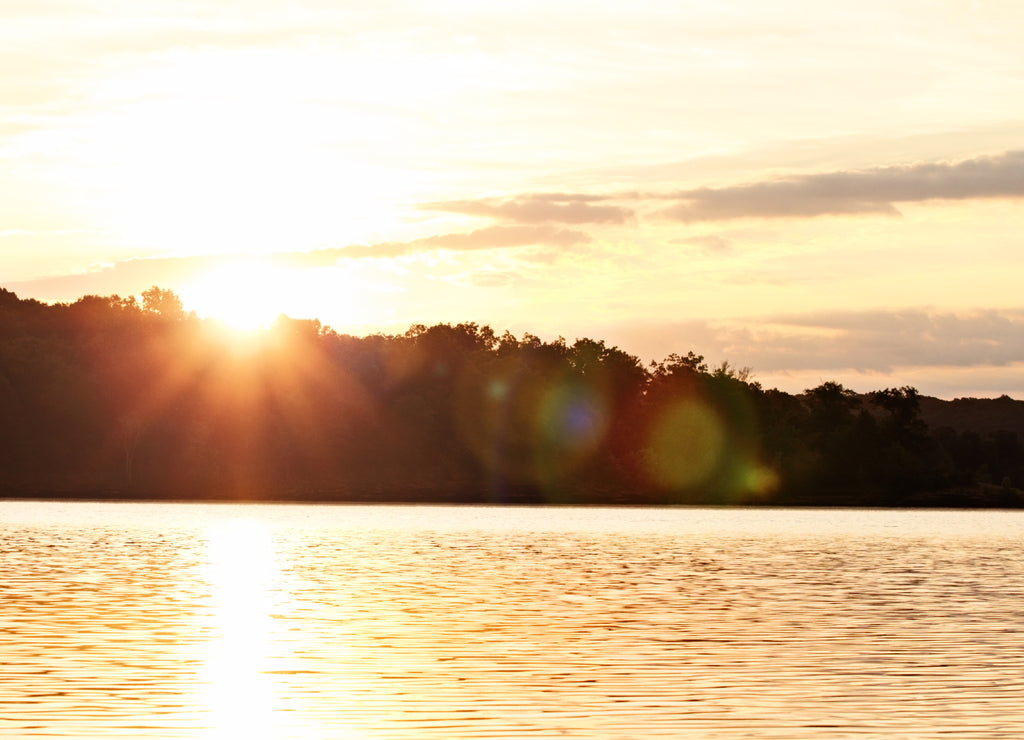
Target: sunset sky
[819, 191]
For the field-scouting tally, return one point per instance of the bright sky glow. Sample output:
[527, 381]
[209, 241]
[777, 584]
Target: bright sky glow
[818, 192]
[240, 293]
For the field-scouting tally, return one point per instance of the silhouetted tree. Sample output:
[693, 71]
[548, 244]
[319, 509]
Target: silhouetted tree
[107, 394]
[162, 302]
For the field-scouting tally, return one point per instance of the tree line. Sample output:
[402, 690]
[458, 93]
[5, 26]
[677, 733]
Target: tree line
[110, 396]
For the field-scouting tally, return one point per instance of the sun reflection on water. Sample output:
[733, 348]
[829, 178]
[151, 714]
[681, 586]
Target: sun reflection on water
[239, 691]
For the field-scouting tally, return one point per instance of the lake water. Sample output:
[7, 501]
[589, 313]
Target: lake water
[143, 620]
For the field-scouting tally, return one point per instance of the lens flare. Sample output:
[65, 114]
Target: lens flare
[686, 445]
[760, 481]
[572, 418]
[526, 428]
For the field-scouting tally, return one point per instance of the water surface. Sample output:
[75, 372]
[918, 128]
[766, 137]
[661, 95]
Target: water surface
[276, 621]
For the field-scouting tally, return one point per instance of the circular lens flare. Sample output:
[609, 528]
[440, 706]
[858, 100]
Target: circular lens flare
[572, 418]
[686, 445]
[530, 429]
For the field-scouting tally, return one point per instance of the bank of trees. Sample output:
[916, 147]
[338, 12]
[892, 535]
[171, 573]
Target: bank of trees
[109, 396]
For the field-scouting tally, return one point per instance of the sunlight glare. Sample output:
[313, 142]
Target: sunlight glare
[238, 691]
[243, 294]
[204, 149]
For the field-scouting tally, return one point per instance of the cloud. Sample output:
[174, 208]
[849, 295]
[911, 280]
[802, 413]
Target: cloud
[854, 192]
[880, 340]
[504, 236]
[539, 209]
[847, 192]
[709, 244]
[492, 237]
[128, 277]
[857, 342]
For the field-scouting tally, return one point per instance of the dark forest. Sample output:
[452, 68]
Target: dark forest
[110, 397]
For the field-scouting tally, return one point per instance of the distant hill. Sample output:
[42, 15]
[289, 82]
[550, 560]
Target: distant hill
[979, 415]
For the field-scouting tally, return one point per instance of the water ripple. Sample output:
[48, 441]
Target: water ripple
[182, 621]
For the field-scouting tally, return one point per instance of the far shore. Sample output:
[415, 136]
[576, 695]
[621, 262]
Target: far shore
[980, 496]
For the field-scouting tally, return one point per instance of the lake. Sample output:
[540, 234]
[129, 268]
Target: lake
[163, 620]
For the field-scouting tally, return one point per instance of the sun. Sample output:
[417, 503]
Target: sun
[243, 294]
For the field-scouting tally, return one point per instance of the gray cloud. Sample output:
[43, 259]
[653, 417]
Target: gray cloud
[504, 236]
[539, 209]
[881, 340]
[859, 341]
[869, 191]
[854, 192]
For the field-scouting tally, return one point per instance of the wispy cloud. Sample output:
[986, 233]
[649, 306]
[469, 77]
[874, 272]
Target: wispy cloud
[504, 236]
[880, 340]
[847, 192]
[126, 277]
[133, 275]
[862, 341]
[854, 192]
[708, 244]
[491, 237]
[539, 208]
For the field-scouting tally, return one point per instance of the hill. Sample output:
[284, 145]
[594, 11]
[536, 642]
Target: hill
[983, 416]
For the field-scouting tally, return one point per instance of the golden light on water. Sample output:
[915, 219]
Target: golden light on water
[240, 692]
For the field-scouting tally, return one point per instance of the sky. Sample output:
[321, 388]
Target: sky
[816, 191]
